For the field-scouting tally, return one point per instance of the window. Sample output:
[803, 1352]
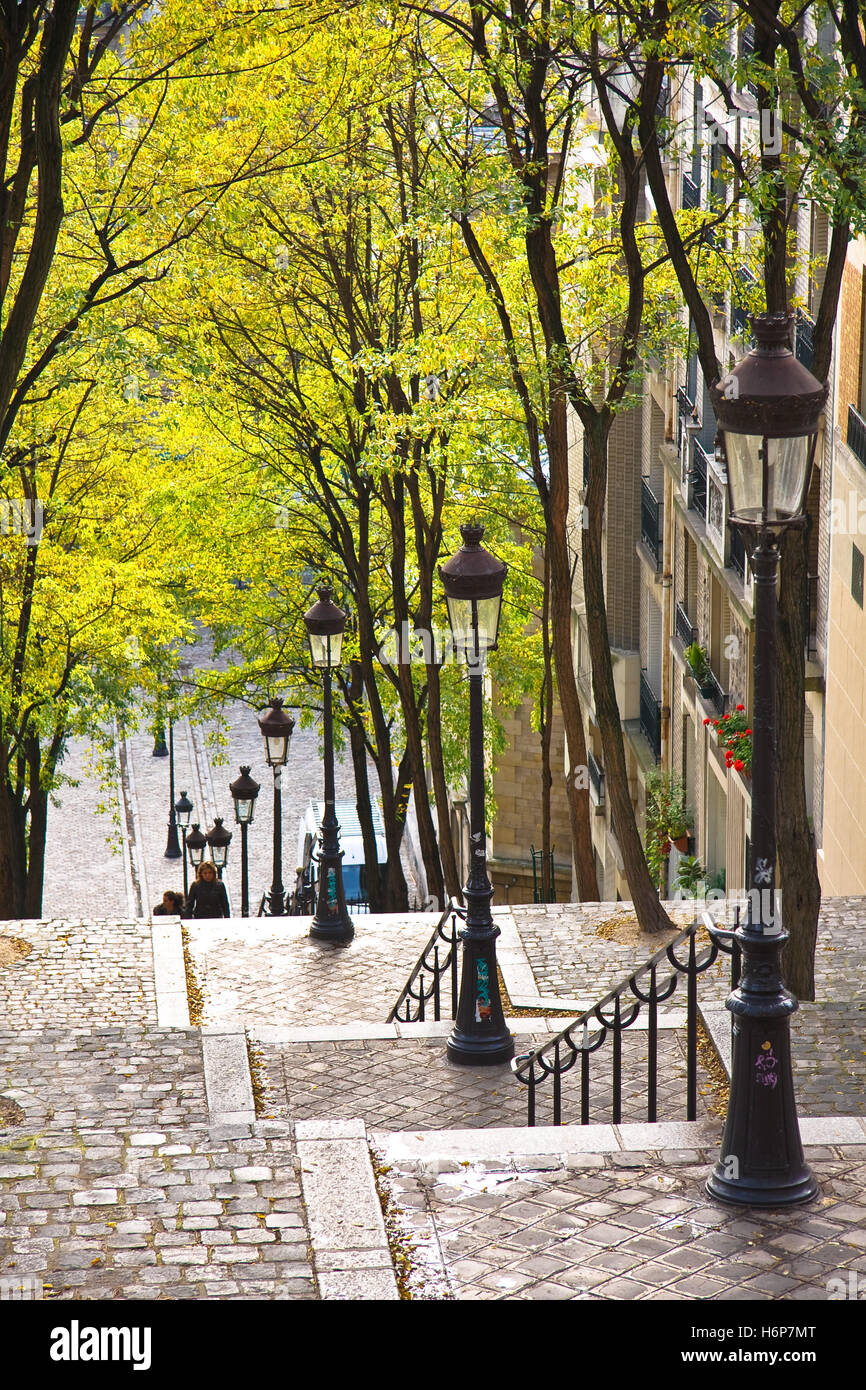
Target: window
[857, 575]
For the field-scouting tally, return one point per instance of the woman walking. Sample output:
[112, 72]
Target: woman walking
[208, 896]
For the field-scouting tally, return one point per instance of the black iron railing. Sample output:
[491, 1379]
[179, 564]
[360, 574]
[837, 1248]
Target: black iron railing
[856, 437]
[700, 463]
[685, 628]
[691, 192]
[650, 716]
[649, 986]
[685, 406]
[738, 553]
[438, 961]
[803, 332]
[596, 778]
[810, 617]
[650, 521]
[538, 888]
[739, 316]
[712, 691]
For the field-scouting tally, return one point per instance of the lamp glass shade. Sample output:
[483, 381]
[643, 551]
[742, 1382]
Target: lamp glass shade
[767, 477]
[276, 728]
[325, 648]
[196, 844]
[244, 811]
[183, 809]
[219, 840]
[244, 792]
[474, 624]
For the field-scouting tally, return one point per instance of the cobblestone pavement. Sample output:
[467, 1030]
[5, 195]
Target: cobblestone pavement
[829, 1055]
[269, 970]
[114, 1186]
[84, 860]
[626, 1226]
[412, 1085]
[79, 974]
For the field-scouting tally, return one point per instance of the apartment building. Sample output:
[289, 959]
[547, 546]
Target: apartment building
[678, 575]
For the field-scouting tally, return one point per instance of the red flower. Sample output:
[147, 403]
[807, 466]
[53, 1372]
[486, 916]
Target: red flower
[741, 706]
[739, 764]
[748, 731]
[707, 720]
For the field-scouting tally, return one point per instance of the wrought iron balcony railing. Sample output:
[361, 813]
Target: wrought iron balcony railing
[685, 628]
[738, 553]
[650, 521]
[856, 437]
[650, 716]
[691, 192]
[596, 780]
[700, 464]
[712, 691]
[803, 331]
[810, 618]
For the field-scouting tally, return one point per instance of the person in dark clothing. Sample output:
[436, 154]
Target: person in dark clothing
[171, 905]
[208, 896]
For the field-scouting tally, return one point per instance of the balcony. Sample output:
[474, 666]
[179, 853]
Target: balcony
[810, 618]
[738, 553]
[650, 521]
[803, 331]
[650, 717]
[856, 437]
[596, 781]
[712, 691]
[691, 192]
[700, 466]
[685, 629]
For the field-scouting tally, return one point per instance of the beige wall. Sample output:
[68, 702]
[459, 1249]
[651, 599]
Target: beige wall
[842, 861]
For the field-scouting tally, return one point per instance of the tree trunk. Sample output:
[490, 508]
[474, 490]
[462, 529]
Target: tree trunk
[13, 855]
[563, 654]
[650, 913]
[354, 693]
[548, 882]
[795, 843]
[440, 790]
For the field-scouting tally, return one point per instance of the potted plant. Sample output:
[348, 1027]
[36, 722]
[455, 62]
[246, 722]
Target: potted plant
[666, 821]
[699, 666]
[690, 872]
[734, 734]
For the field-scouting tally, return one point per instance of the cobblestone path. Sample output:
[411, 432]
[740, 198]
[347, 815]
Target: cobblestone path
[84, 855]
[114, 1186]
[79, 974]
[623, 1227]
[270, 972]
[412, 1085]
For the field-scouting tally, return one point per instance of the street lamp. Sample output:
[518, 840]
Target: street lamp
[768, 411]
[196, 844]
[325, 624]
[276, 727]
[183, 811]
[244, 792]
[219, 839]
[172, 848]
[473, 580]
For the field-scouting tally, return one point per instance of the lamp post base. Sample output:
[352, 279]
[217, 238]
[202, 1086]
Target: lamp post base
[471, 1051]
[758, 1194]
[335, 930]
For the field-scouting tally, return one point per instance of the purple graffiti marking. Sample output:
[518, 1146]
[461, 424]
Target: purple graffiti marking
[766, 1067]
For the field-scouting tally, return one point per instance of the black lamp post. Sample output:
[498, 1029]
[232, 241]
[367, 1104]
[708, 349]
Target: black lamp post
[244, 792]
[219, 839]
[183, 811]
[196, 844]
[326, 624]
[276, 727]
[172, 848]
[768, 410]
[473, 580]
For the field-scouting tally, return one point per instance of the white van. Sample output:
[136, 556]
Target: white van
[351, 842]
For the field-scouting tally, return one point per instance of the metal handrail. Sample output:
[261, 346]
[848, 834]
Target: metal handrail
[586, 1033]
[420, 988]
